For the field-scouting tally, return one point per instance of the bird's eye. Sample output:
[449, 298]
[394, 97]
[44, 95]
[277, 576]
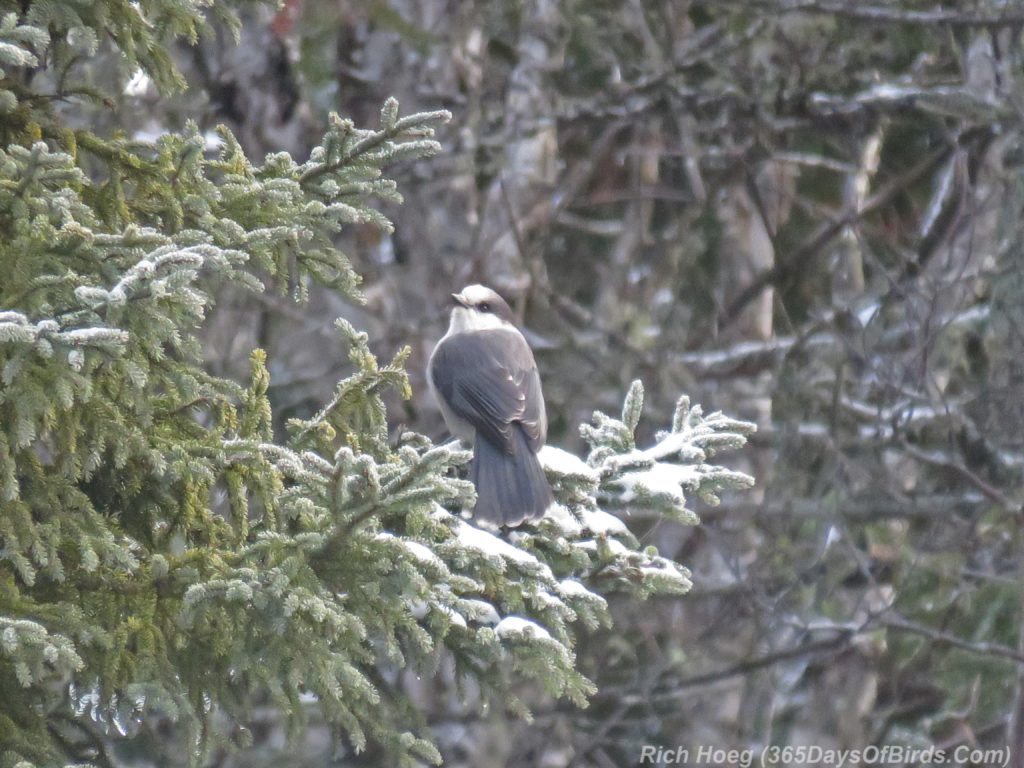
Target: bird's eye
[485, 307]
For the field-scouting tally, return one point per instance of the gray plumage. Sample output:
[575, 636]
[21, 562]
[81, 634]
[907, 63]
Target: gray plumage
[486, 382]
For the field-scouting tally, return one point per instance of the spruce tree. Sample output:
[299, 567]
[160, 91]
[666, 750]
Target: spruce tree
[164, 555]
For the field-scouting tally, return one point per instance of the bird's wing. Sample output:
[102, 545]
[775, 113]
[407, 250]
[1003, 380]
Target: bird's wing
[489, 378]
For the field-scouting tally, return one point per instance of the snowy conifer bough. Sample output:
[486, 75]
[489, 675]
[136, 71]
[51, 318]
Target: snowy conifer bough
[129, 594]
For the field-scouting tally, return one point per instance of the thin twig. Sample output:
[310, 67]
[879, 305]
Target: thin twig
[880, 13]
[989, 491]
[945, 638]
[831, 230]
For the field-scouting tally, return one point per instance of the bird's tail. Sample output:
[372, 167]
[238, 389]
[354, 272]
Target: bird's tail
[510, 487]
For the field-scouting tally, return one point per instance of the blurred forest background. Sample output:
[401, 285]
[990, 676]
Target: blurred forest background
[803, 212]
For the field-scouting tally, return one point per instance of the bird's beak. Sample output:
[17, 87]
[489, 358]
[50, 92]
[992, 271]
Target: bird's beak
[461, 300]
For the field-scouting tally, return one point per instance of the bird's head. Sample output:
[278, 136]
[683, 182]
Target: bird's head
[479, 308]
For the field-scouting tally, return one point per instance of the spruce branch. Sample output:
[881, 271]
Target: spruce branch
[415, 127]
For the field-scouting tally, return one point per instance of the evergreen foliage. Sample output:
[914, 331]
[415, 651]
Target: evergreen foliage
[161, 553]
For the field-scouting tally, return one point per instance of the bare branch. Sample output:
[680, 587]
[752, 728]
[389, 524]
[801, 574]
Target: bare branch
[878, 13]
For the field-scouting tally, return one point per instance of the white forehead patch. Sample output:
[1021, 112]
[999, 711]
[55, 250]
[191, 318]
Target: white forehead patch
[477, 293]
[464, 320]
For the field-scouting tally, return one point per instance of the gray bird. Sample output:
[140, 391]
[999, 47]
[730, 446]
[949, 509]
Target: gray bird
[485, 379]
